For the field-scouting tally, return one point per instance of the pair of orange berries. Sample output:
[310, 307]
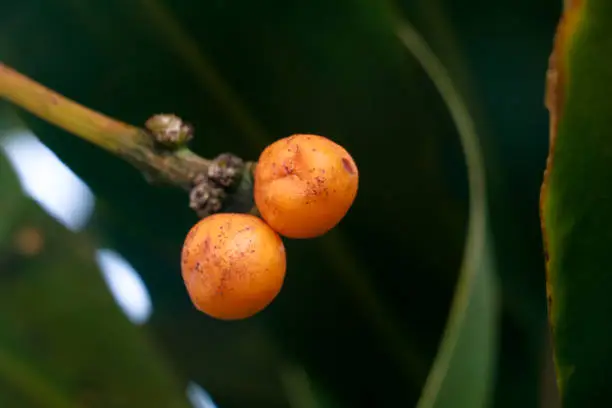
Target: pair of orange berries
[234, 265]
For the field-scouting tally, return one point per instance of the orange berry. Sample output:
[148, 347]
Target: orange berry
[304, 185]
[233, 265]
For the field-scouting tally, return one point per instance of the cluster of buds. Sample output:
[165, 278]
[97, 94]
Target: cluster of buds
[210, 189]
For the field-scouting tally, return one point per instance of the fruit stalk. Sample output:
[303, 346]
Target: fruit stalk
[177, 167]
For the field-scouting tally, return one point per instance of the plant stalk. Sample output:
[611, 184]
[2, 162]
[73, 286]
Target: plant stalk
[175, 167]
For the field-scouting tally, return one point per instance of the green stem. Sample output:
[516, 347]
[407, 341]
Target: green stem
[126, 141]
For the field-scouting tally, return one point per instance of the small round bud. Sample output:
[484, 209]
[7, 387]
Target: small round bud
[225, 168]
[169, 130]
[205, 198]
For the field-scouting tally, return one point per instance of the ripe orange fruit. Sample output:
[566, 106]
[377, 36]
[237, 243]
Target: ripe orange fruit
[304, 185]
[233, 265]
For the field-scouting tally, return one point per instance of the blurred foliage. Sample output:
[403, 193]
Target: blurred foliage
[363, 308]
[65, 342]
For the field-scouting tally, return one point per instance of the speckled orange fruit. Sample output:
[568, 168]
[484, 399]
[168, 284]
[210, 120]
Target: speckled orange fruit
[233, 265]
[304, 185]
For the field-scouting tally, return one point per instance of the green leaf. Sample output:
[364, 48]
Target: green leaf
[462, 372]
[64, 342]
[500, 77]
[576, 201]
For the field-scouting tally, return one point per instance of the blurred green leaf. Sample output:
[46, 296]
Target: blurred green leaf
[463, 371]
[576, 200]
[64, 342]
[496, 53]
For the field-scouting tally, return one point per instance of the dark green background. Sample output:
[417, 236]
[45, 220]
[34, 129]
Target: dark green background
[247, 73]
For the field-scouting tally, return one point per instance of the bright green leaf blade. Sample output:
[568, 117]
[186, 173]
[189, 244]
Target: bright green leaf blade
[463, 372]
[576, 204]
[64, 342]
